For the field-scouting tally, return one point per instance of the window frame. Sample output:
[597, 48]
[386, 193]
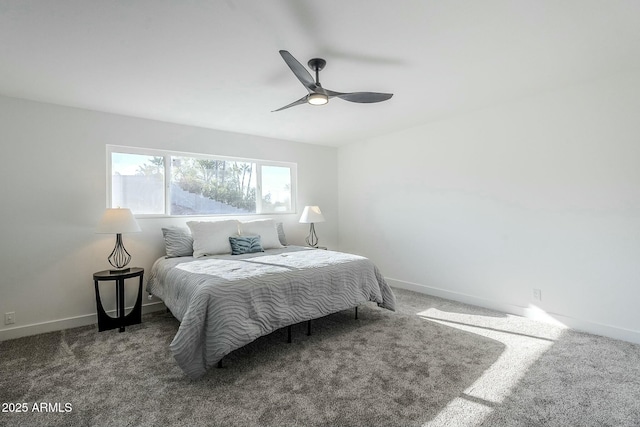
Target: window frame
[167, 154]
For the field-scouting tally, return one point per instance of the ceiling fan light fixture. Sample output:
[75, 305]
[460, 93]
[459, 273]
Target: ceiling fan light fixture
[317, 99]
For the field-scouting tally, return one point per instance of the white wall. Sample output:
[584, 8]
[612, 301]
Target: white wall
[53, 193]
[541, 193]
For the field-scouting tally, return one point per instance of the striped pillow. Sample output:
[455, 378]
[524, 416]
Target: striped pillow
[281, 236]
[245, 245]
[177, 242]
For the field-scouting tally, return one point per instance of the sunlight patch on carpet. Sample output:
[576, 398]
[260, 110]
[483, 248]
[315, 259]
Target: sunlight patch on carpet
[536, 313]
[525, 341]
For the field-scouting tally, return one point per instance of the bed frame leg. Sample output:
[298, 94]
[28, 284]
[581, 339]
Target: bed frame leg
[220, 364]
[289, 334]
[308, 327]
[356, 312]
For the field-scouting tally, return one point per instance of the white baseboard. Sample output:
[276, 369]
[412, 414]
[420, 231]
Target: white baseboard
[570, 322]
[70, 322]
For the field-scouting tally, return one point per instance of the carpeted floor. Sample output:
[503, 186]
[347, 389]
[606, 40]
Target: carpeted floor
[434, 362]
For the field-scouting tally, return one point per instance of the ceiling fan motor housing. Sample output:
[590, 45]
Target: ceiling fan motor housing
[316, 64]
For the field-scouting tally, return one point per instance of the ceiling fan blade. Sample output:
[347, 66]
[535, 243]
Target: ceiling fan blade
[362, 97]
[301, 73]
[302, 100]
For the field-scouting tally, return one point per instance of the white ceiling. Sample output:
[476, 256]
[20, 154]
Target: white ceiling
[215, 64]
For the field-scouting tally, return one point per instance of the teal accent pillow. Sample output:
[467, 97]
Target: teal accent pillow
[245, 245]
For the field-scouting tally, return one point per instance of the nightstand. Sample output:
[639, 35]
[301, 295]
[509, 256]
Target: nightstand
[106, 322]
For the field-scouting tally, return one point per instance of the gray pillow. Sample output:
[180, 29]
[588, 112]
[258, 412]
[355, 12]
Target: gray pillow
[177, 242]
[245, 245]
[281, 236]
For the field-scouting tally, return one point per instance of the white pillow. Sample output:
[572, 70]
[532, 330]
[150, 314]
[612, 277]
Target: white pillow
[265, 228]
[212, 237]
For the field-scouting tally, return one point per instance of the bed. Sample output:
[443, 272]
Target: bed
[225, 301]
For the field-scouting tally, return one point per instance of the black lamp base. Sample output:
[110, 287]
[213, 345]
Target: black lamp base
[119, 257]
[312, 238]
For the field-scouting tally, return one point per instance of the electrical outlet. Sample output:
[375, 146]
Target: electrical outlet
[537, 294]
[10, 318]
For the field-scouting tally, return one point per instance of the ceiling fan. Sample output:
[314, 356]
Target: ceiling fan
[319, 95]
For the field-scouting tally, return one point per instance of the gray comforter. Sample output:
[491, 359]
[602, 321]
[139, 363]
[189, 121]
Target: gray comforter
[225, 302]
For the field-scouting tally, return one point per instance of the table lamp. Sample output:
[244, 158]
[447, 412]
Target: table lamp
[117, 221]
[311, 215]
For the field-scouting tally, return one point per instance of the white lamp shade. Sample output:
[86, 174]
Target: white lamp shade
[116, 221]
[311, 214]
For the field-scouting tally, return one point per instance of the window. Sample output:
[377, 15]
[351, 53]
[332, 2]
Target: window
[153, 182]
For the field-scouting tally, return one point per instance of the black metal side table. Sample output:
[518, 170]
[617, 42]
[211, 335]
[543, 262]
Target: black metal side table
[106, 322]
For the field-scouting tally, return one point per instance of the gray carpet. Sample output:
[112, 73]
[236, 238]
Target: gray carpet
[434, 362]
